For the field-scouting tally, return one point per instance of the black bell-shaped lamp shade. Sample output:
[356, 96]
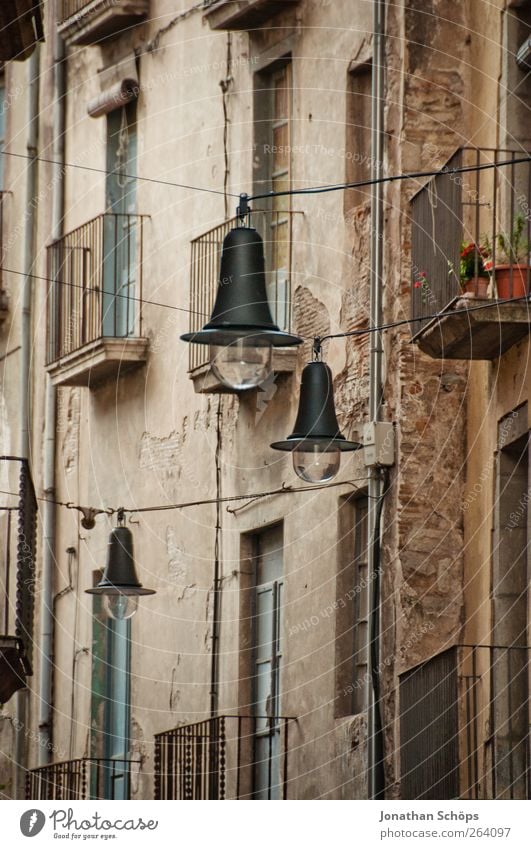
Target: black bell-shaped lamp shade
[241, 331]
[119, 585]
[316, 441]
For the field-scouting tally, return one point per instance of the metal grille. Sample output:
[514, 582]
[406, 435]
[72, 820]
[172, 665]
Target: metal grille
[464, 725]
[69, 8]
[428, 730]
[74, 779]
[204, 275]
[96, 289]
[212, 759]
[26, 545]
[475, 207]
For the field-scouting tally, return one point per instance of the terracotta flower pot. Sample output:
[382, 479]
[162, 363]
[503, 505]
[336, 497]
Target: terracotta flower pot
[519, 280]
[476, 286]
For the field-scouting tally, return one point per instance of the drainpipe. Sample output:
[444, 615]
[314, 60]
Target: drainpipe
[33, 69]
[46, 644]
[375, 777]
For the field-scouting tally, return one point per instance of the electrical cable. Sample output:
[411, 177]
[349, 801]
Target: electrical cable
[154, 43]
[108, 173]
[410, 175]
[342, 335]
[306, 190]
[111, 511]
[101, 291]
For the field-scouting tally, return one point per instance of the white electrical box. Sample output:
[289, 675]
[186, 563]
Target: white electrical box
[379, 444]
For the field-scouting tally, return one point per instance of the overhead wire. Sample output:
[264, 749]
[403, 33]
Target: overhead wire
[111, 511]
[305, 190]
[341, 335]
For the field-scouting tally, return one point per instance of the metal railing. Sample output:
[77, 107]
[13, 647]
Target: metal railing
[96, 288]
[215, 759]
[69, 8]
[18, 536]
[82, 778]
[204, 273]
[475, 207]
[464, 725]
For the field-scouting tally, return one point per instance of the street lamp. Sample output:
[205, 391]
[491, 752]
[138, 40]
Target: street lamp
[241, 332]
[316, 442]
[119, 585]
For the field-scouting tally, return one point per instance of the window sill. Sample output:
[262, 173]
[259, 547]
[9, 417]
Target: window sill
[477, 335]
[205, 382]
[105, 359]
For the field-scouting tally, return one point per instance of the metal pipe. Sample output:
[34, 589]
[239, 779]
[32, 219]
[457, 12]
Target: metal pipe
[375, 777]
[49, 511]
[33, 69]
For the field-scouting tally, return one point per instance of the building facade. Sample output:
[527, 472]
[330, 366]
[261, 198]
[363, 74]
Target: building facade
[128, 133]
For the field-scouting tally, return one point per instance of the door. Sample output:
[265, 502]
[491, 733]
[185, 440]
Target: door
[267, 656]
[120, 236]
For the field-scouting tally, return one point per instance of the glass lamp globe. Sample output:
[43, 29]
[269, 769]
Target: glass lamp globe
[316, 463]
[119, 606]
[243, 364]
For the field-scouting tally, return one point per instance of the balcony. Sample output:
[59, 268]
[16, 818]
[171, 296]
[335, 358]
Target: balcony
[83, 778]
[20, 28]
[464, 725]
[275, 229]
[95, 300]
[18, 526]
[482, 208]
[81, 22]
[243, 14]
[215, 759]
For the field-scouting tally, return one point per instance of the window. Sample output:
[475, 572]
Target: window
[515, 82]
[352, 607]
[358, 134]
[261, 640]
[111, 711]
[510, 611]
[120, 236]
[272, 127]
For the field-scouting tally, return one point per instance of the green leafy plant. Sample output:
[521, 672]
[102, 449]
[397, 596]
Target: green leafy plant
[421, 282]
[514, 247]
[474, 261]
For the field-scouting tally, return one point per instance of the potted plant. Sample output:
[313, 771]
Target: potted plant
[512, 270]
[474, 268]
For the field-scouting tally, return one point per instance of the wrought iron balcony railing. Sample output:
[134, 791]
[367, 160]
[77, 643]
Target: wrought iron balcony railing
[97, 283]
[275, 229]
[82, 778]
[243, 14]
[216, 759]
[484, 208]
[464, 725]
[17, 586]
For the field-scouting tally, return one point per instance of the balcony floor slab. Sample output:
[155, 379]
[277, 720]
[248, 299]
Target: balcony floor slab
[105, 359]
[99, 19]
[244, 14]
[478, 334]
